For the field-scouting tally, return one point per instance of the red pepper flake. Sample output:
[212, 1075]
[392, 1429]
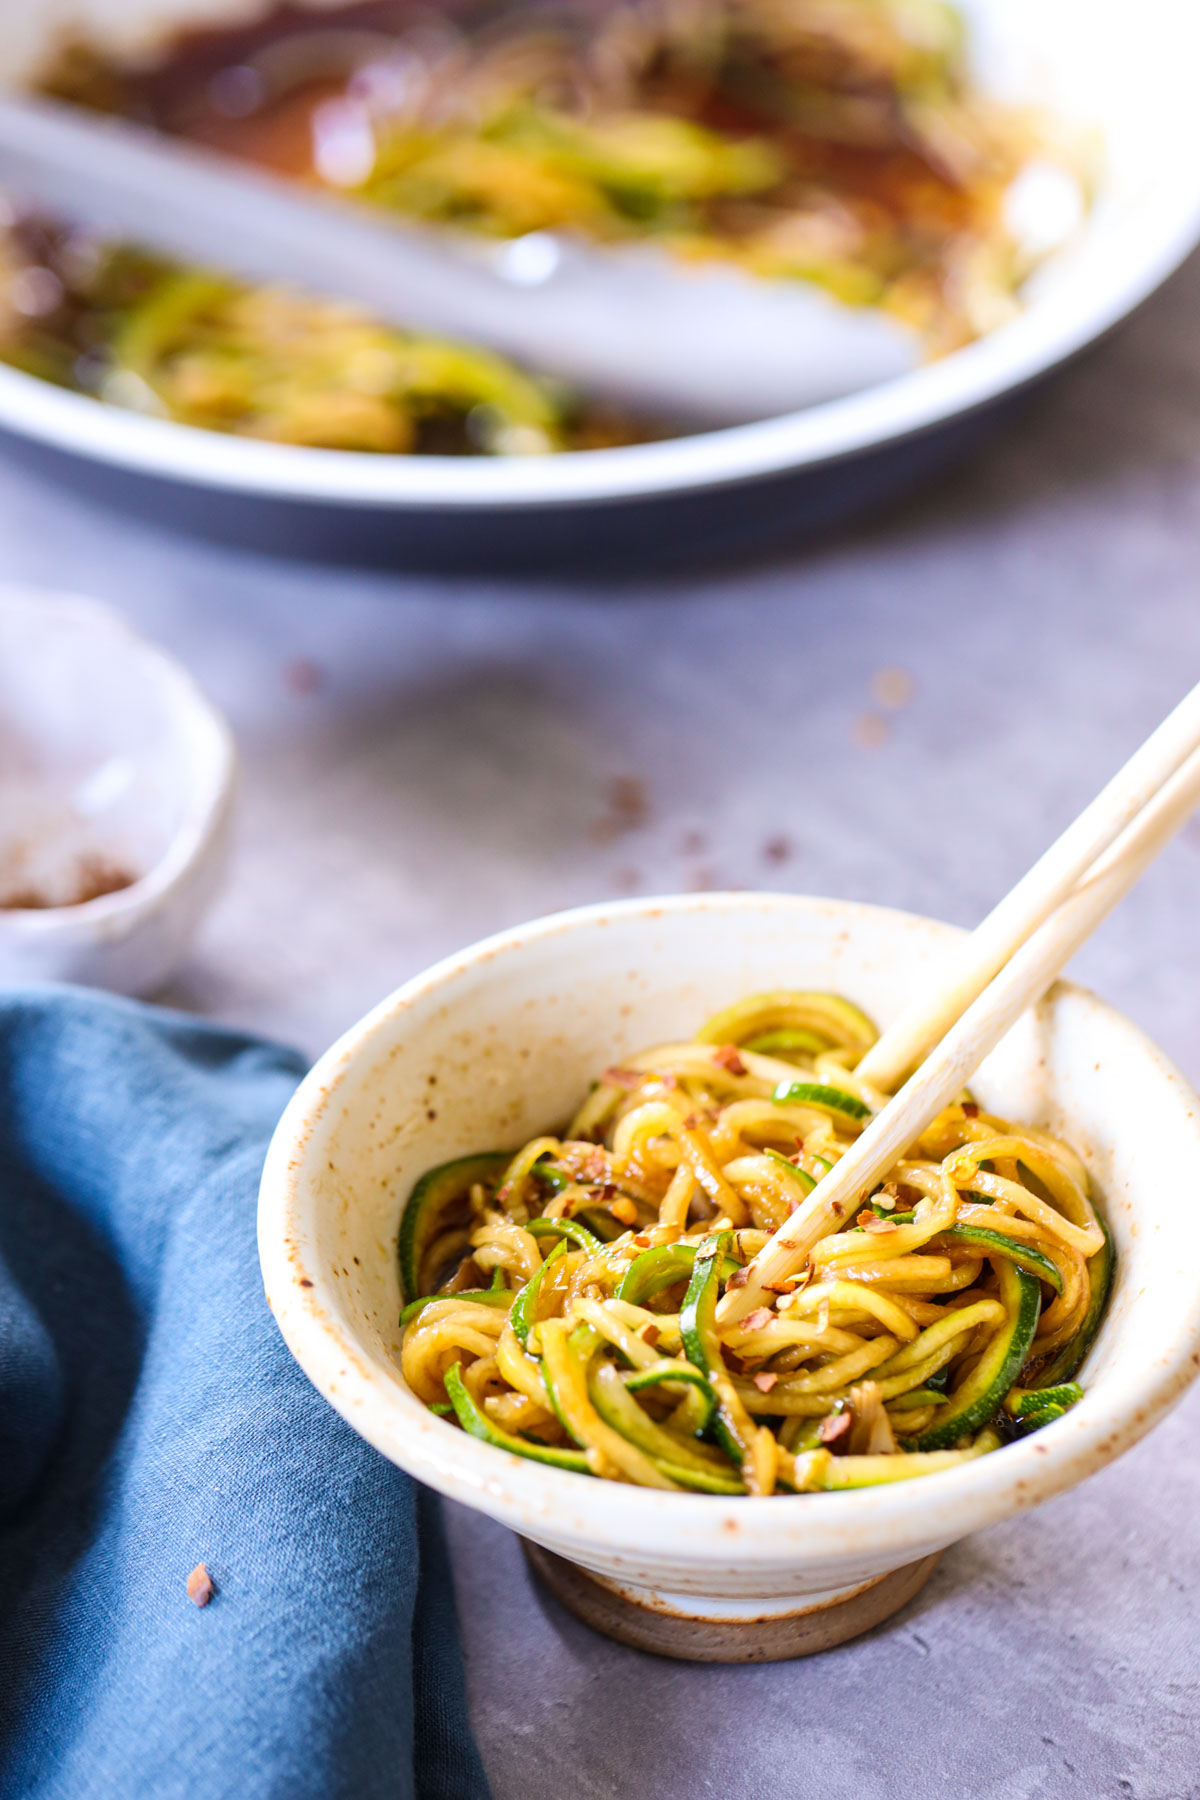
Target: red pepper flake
[794, 1205]
[738, 1279]
[892, 687]
[873, 1223]
[727, 1058]
[628, 807]
[762, 1315]
[650, 1334]
[302, 676]
[771, 1287]
[765, 1381]
[870, 730]
[624, 1210]
[836, 1207]
[628, 796]
[622, 1078]
[642, 1241]
[970, 1110]
[835, 1427]
[200, 1586]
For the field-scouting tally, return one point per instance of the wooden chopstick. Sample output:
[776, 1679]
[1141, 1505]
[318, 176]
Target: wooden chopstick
[1022, 980]
[901, 1047]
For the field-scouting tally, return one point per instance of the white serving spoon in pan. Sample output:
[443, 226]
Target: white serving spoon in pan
[700, 346]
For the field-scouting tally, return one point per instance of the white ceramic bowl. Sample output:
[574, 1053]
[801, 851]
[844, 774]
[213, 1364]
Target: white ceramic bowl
[1125, 73]
[499, 1042]
[110, 759]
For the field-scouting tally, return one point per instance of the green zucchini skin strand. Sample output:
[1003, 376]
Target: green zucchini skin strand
[570, 1229]
[618, 1408]
[977, 1400]
[995, 1243]
[436, 1189]
[788, 1041]
[697, 1328]
[1033, 1421]
[1022, 1402]
[581, 1342]
[806, 1181]
[1069, 1357]
[493, 1296]
[687, 1376]
[815, 1093]
[662, 1267]
[702, 1483]
[481, 1427]
[554, 1178]
[697, 1315]
[524, 1311]
[914, 1398]
[603, 1227]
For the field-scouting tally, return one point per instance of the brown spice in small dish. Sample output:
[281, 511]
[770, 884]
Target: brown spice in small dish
[94, 878]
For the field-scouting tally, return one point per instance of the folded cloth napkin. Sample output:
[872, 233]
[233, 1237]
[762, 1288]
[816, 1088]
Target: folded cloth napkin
[151, 1420]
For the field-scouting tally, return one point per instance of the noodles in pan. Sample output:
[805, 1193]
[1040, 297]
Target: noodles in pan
[837, 143]
[562, 1302]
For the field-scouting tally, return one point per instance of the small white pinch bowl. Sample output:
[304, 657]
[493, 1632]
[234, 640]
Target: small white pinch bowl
[499, 1042]
[110, 760]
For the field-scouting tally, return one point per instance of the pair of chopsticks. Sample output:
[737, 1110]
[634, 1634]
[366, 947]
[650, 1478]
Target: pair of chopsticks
[1006, 965]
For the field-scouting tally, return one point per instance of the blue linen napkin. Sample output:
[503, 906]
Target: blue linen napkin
[151, 1419]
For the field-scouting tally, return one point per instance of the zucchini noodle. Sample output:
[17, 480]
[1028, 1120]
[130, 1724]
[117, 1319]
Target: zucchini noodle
[561, 1302]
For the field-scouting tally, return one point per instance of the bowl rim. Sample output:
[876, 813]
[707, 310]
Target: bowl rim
[631, 1520]
[206, 805]
[1049, 332]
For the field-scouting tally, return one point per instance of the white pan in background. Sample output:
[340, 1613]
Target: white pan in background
[1126, 71]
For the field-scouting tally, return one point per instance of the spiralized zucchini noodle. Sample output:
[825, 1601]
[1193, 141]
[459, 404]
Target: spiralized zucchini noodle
[265, 362]
[840, 143]
[562, 1302]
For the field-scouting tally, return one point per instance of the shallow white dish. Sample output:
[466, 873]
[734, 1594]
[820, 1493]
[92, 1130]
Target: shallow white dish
[111, 761]
[1125, 72]
[499, 1042]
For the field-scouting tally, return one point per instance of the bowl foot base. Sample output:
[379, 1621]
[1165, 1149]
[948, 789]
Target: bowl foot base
[691, 1636]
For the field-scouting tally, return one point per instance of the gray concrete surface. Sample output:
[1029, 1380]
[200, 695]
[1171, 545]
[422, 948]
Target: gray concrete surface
[428, 760]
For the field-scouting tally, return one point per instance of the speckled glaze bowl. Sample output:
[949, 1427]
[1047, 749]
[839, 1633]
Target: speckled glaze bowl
[497, 1043]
